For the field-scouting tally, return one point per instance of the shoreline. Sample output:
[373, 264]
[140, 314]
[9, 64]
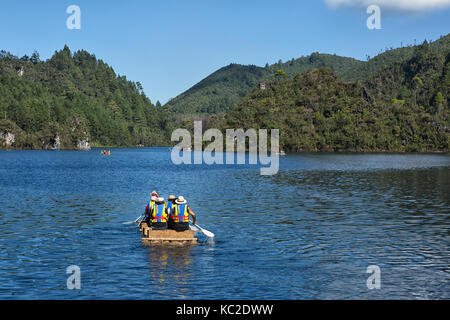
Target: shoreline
[287, 153]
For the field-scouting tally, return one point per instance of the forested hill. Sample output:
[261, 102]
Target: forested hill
[225, 87]
[403, 107]
[71, 100]
[397, 101]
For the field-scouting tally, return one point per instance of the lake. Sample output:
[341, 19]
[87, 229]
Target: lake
[309, 232]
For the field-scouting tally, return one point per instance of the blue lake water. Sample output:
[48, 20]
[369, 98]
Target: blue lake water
[309, 232]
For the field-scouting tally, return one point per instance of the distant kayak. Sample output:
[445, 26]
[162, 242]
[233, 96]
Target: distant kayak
[105, 153]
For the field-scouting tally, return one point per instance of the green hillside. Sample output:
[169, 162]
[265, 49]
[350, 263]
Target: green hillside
[391, 56]
[403, 107]
[72, 98]
[397, 101]
[225, 87]
[342, 66]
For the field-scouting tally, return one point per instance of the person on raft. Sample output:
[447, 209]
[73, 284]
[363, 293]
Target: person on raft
[159, 214]
[179, 215]
[171, 203]
[148, 209]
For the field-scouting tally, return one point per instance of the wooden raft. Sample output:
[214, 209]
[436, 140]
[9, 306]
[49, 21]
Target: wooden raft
[154, 237]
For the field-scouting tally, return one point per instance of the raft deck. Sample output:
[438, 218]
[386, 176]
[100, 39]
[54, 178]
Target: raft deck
[152, 237]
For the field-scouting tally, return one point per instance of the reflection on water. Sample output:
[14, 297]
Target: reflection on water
[308, 232]
[171, 270]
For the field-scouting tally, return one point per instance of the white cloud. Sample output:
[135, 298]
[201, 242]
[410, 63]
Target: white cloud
[393, 5]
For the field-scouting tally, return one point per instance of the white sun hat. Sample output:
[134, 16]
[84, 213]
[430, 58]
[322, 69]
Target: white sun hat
[180, 200]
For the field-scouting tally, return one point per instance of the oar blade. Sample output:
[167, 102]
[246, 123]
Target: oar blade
[207, 233]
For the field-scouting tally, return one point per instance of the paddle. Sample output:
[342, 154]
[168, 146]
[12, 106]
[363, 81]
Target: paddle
[207, 233]
[130, 222]
[193, 228]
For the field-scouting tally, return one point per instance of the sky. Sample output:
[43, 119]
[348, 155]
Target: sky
[170, 45]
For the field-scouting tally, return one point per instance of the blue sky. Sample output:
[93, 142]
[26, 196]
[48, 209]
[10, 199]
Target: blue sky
[170, 45]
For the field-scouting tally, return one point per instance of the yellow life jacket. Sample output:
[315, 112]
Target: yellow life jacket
[180, 213]
[150, 208]
[159, 213]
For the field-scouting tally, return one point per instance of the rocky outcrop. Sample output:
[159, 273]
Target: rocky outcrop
[7, 139]
[20, 71]
[80, 133]
[84, 144]
[56, 145]
[52, 143]
[263, 85]
[9, 134]
[74, 135]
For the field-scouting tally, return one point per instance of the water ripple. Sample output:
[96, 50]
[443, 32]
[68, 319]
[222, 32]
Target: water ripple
[307, 233]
